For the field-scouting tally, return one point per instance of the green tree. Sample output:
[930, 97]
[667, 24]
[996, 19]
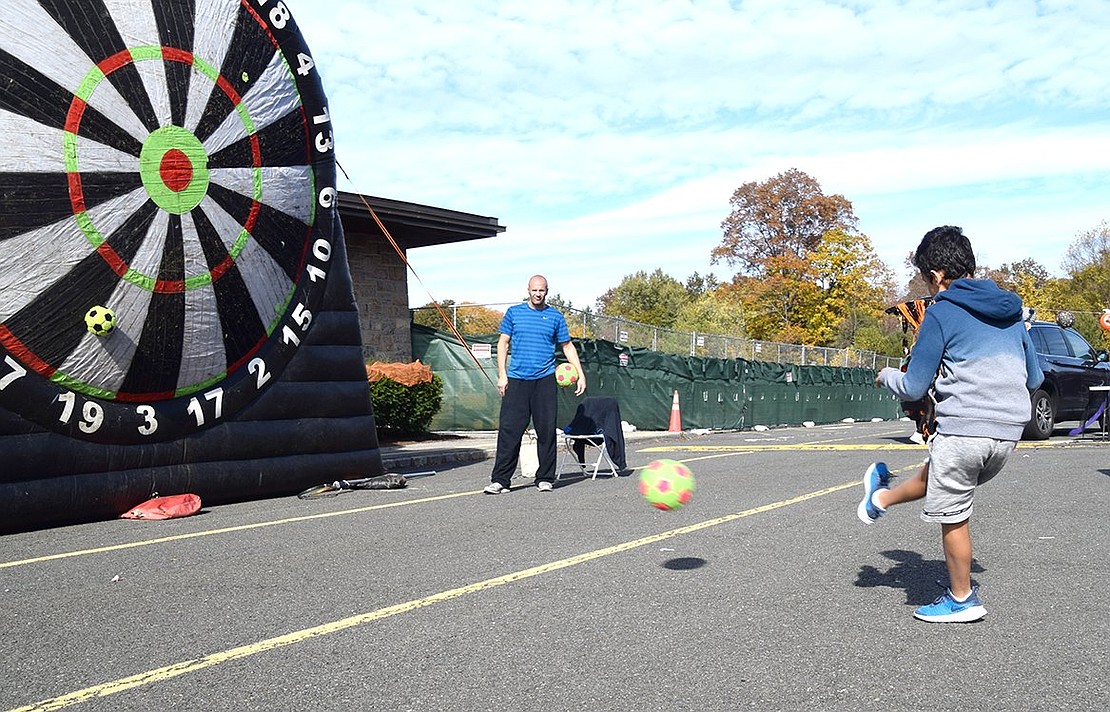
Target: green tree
[654, 298]
[557, 301]
[697, 285]
[1087, 262]
[1086, 289]
[1026, 278]
[856, 286]
[427, 315]
[781, 217]
[873, 334]
[714, 312]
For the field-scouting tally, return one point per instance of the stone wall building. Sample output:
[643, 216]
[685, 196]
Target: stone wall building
[379, 274]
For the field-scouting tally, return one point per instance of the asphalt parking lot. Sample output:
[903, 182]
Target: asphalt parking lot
[765, 592]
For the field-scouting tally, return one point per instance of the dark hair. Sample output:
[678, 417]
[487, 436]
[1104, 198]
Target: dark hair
[946, 249]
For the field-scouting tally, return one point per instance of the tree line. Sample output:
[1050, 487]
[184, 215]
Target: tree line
[804, 274]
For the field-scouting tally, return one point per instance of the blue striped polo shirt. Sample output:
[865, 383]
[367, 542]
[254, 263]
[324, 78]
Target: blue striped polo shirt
[534, 334]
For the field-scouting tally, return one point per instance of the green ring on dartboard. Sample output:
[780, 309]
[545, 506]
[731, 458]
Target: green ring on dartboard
[173, 164]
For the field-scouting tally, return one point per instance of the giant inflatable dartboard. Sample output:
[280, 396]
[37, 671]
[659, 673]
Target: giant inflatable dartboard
[170, 160]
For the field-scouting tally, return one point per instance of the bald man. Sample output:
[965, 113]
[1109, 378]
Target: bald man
[527, 384]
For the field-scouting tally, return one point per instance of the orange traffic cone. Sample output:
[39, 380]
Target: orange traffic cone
[675, 426]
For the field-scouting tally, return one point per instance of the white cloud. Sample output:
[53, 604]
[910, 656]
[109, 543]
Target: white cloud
[608, 137]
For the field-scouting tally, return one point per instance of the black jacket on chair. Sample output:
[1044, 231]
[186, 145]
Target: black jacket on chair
[599, 414]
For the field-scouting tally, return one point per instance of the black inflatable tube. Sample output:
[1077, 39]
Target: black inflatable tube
[78, 498]
[35, 456]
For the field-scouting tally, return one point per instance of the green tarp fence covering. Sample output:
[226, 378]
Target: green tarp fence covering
[713, 393]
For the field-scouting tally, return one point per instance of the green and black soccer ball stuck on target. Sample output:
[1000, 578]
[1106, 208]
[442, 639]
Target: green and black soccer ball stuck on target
[100, 320]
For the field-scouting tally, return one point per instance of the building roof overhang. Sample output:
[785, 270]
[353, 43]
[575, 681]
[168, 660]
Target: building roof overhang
[413, 225]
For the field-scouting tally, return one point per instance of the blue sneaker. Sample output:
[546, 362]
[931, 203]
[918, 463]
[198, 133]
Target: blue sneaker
[876, 478]
[947, 609]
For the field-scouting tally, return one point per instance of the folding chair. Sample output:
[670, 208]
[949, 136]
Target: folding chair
[575, 448]
[596, 424]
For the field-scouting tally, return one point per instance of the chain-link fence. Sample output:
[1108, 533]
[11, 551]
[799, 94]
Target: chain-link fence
[583, 324]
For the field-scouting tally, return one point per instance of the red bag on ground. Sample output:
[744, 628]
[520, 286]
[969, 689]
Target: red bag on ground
[171, 507]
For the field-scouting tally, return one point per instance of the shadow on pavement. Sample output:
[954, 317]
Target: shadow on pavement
[917, 576]
[684, 563]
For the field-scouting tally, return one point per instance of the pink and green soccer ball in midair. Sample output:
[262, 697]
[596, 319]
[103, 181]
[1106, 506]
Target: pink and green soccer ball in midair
[667, 484]
[566, 375]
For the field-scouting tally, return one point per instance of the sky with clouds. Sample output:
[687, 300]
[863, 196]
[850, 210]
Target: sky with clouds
[608, 136]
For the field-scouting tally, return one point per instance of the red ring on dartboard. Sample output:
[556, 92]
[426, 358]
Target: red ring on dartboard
[76, 191]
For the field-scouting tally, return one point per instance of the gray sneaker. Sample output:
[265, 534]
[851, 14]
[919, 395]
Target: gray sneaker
[496, 488]
[544, 486]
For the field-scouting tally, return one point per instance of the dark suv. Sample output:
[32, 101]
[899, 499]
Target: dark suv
[1071, 366]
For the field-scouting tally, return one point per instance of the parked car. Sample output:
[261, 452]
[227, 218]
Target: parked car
[1071, 366]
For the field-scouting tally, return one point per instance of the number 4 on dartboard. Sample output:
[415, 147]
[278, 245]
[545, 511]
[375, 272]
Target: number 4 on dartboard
[304, 64]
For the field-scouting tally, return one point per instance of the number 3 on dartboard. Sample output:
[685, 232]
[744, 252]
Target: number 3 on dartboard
[150, 423]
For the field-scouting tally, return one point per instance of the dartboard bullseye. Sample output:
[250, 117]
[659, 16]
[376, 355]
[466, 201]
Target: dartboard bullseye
[174, 168]
[181, 180]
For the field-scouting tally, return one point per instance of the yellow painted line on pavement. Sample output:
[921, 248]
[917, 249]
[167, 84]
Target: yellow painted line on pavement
[228, 530]
[188, 666]
[715, 456]
[784, 446]
[815, 447]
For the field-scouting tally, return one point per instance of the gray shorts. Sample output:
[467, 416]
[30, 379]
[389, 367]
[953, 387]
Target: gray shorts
[957, 464]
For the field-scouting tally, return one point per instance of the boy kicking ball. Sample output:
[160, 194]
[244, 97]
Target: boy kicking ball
[974, 341]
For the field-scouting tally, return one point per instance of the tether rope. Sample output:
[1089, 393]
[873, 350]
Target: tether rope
[401, 254]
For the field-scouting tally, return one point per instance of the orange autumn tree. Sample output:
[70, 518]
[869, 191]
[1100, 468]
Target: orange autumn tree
[774, 237]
